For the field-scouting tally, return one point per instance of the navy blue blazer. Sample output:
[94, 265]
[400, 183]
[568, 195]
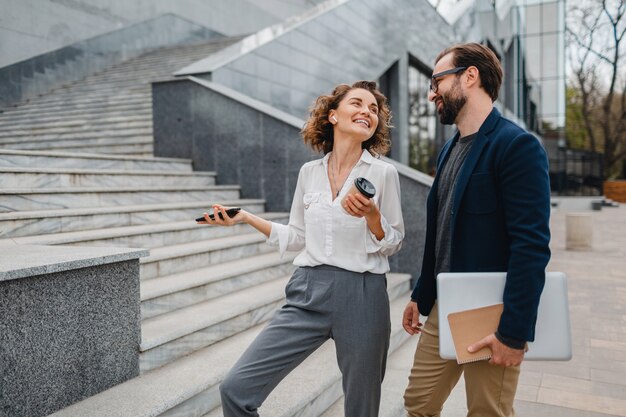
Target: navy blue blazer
[500, 221]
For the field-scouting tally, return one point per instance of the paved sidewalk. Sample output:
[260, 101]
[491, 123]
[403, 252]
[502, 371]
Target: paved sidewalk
[593, 383]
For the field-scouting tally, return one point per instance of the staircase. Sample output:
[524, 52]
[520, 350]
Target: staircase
[109, 112]
[76, 168]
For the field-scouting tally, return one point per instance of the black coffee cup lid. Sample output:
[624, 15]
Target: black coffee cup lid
[365, 187]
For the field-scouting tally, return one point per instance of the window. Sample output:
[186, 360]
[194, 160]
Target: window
[423, 123]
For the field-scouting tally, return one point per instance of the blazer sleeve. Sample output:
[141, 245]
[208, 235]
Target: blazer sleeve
[525, 189]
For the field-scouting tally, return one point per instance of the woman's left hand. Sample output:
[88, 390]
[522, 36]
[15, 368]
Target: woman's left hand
[358, 205]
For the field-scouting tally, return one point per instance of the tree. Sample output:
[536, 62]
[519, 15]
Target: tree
[595, 36]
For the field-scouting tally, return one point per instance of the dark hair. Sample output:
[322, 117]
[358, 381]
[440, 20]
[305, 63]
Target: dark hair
[318, 131]
[481, 57]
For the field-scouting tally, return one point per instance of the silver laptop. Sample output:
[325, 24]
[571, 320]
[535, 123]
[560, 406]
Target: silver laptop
[467, 290]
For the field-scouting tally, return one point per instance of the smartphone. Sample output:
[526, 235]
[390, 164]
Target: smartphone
[231, 213]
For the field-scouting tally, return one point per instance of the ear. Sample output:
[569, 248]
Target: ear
[472, 76]
[332, 118]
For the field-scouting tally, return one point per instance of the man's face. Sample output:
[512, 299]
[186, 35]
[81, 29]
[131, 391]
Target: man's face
[449, 97]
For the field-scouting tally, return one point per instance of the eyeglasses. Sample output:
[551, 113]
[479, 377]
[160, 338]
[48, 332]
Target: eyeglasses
[434, 84]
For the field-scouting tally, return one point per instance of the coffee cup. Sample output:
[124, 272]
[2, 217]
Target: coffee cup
[362, 186]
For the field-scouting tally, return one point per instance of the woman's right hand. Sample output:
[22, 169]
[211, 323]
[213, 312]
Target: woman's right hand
[224, 219]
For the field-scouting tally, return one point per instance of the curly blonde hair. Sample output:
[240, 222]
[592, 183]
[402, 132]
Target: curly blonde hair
[318, 131]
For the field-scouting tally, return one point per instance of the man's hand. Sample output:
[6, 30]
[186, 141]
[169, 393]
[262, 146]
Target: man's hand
[501, 354]
[411, 319]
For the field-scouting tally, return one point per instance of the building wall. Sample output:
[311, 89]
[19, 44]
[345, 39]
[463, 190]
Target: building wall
[344, 42]
[32, 27]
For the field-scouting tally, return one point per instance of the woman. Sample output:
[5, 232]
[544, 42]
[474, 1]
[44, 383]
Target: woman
[339, 290]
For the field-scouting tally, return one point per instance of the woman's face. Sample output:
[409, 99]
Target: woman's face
[356, 115]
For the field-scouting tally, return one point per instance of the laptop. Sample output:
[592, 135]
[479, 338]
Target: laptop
[467, 290]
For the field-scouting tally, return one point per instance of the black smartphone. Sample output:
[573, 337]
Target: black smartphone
[231, 213]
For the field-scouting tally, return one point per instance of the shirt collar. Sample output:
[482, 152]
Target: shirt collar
[366, 157]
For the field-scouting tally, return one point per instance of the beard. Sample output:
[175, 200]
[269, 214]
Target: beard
[451, 104]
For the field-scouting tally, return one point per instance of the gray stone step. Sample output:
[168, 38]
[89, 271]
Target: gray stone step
[396, 379]
[168, 337]
[97, 143]
[59, 99]
[130, 149]
[58, 177]
[38, 222]
[60, 105]
[17, 199]
[51, 159]
[139, 109]
[143, 132]
[36, 123]
[139, 149]
[30, 111]
[89, 129]
[172, 292]
[188, 386]
[151, 235]
[171, 259]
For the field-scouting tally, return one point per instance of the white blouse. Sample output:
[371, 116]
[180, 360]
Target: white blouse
[326, 234]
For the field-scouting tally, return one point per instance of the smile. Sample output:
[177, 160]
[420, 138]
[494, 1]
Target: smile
[363, 121]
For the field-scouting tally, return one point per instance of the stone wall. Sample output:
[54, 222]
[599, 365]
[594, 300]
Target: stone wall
[69, 325]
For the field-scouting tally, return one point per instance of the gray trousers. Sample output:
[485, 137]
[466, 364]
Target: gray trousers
[322, 302]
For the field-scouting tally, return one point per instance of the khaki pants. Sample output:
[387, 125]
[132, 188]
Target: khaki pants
[490, 389]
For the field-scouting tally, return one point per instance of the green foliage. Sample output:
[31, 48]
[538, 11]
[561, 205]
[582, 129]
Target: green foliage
[575, 131]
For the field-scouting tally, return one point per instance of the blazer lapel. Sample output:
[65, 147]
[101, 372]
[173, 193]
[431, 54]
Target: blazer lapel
[467, 169]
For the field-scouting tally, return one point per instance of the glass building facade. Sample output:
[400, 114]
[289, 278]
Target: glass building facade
[528, 36]
[543, 40]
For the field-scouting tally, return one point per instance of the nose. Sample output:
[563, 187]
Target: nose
[366, 111]
[431, 96]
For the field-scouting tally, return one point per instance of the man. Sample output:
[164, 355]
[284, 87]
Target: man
[488, 210]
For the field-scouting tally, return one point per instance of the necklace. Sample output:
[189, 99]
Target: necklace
[332, 175]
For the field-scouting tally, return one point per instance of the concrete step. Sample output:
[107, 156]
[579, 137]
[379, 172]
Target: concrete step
[316, 384]
[18, 199]
[139, 109]
[172, 292]
[36, 123]
[89, 129]
[39, 222]
[151, 235]
[87, 140]
[13, 177]
[143, 132]
[168, 337]
[68, 105]
[396, 379]
[172, 259]
[50, 159]
[74, 101]
[188, 386]
[140, 150]
[130, 149]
